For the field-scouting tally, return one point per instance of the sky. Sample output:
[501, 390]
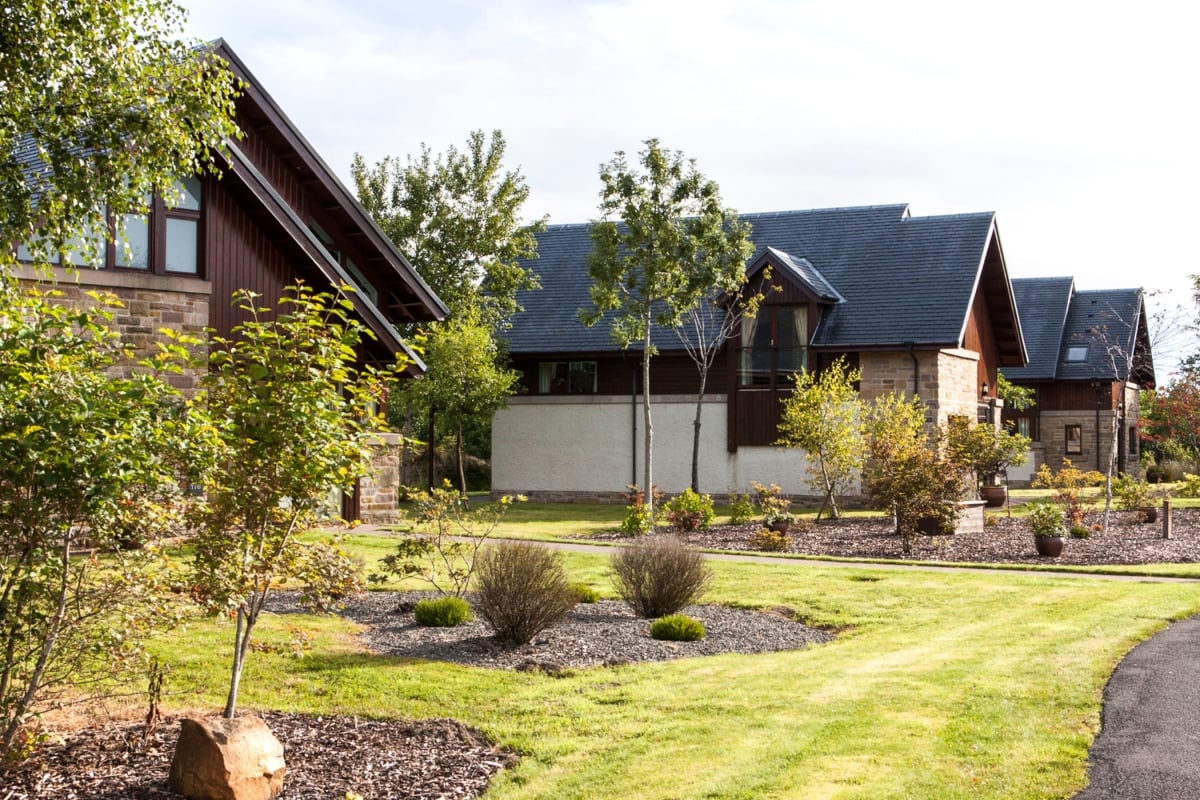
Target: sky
[1076, 123]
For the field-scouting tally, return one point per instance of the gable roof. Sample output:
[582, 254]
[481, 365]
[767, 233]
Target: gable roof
[901, 279]
[405, 297]
[1042, 304]
[1110, 325]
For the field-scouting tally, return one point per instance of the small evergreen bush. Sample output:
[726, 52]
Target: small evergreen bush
[658, 575]
[690, 511]
[1080, 532]
[677, 628]
[584, 593]
[442, 612]
[521, 589]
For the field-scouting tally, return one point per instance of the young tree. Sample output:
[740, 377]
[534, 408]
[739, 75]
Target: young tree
[465, 380]
[823, 416]
[1172, 414]
[902, 472]
[662, 244]
[76, 446]
[289, 413]
[705, 328]
[111, 101]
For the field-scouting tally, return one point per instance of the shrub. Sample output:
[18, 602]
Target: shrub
[741, 508]
[521, 589]
[450, 535]
[328, 575]
[442, 612]
[1191, 486]
[1066, 486]
[990, 520]
[774, 505]
[1130, 492]
[637, 513]
[690, 511]
[1080, 532]
[584, 593]
[677, 628]
[658, 575]
[1045, 519]
[770, 541]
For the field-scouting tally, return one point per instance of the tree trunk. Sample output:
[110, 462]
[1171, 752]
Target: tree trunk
[830, 500]
[696, 433]
[431, 452]
[462, 472]
[648, 450]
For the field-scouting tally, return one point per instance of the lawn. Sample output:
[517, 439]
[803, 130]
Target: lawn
[941, 685]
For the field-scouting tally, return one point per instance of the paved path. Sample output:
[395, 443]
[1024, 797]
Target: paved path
[1149, 742]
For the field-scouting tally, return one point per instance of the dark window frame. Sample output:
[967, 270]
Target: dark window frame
[1073, 446]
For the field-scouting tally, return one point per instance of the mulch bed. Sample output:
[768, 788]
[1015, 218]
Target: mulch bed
[329, 756]
[1007, 541]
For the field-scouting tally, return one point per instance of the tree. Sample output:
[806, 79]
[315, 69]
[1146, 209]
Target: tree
[1172, 414]
[465, 380]
[706, 327]
[76, 446]
[902, 472]
[663, 243]
[111, 101]
[823, 417]
[457, 217]
[289, 414]
[983, 450]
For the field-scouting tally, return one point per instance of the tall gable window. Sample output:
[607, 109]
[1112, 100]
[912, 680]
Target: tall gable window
[774, 345]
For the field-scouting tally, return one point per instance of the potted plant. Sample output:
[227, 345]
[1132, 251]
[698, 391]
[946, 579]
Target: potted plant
[775, 507]
[1046, 522]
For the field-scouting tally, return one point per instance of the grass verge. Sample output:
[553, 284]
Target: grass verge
[942, 685]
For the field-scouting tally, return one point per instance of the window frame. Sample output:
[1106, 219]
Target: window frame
[776, 378]
[1073, 446]
[548, 384]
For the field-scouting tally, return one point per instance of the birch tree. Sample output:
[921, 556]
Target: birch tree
[663, 242]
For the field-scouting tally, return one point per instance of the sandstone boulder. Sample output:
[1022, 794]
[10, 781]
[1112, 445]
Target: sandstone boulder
[227, 759]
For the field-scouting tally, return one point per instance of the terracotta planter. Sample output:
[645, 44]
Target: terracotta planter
[781, 526]
[1049, 546]
[1147, 514]
[993, 496]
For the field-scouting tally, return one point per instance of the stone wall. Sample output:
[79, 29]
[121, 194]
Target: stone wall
[150, 303]
[946, 379]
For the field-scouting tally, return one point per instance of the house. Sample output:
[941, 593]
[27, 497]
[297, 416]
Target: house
[277, 214]
[918, 304]
[1089, 354]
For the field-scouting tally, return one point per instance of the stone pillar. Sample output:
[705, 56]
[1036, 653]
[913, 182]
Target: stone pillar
[379, 490]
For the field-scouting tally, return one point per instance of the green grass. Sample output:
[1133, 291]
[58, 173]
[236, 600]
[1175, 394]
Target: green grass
[940, 685]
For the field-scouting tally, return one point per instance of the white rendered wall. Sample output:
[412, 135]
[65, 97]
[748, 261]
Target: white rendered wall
[583, 445]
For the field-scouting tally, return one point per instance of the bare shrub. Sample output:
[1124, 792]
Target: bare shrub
[521, 589]
[658, 575]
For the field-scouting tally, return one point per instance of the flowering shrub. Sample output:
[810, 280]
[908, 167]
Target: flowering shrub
[1066, 487]
[774, 505]
[637, 514]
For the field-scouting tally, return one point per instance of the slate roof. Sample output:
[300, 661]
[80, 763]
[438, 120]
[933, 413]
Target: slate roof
[904, 279]
[1042, 304]
[1056, 317]
[801, 271]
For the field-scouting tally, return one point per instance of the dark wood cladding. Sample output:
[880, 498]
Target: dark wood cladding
[618, 374]
[980, 337]
[1078, 396]
[241, 253]
[756, 416]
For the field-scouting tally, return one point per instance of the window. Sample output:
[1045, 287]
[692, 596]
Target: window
[1074, 440]
[773, 345]
[360, 282]
[1077, 353]
[163, 239]
[567, 377]
[1025, 427]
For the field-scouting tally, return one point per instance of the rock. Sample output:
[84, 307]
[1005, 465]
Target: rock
[227, 759]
